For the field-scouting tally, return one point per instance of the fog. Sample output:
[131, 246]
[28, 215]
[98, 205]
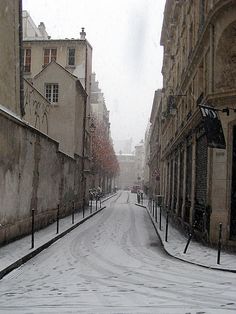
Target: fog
[127, 57]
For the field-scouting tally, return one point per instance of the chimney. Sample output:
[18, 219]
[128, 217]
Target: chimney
[42, 30]
[82, 34]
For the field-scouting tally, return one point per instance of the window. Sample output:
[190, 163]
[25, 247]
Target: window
[51, 92]
[71, 56]
[27, 60]
[49, 55]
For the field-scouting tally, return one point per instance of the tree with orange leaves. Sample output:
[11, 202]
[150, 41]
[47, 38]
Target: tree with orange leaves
[105, 162]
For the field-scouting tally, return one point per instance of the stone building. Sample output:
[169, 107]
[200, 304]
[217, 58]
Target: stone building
[67, 98]
[155, 146]
[139, 163]
[98, 104]
[199, 66]
[75, 55]
[146, 170]
[100, 115]
[36, 175]
[126, 178]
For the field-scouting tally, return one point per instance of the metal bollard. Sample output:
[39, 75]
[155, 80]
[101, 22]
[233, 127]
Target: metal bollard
[91, 205]
[153, 206]
[160, 217]
[96, 203]
[155, 211]
[58, 218]
[73, 212]
[190, 237]
[167, 225]
[32, 228]
[100, 199]
[219, 243]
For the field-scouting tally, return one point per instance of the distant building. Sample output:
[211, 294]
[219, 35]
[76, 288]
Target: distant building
[126, 178]
[123, 146]
[31, 31]
[98, 105]
[146, 172]
[139, 163]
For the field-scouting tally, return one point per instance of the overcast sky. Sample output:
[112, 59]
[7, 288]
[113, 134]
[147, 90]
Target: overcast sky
[127, 57]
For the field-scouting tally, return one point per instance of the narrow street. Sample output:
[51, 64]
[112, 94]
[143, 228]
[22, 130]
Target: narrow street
[114, 263]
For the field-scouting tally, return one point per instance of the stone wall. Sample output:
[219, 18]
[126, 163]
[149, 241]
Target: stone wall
[33, 174]
[36, 107]
[9, 52]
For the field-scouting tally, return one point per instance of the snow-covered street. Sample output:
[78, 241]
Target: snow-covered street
[114, 263]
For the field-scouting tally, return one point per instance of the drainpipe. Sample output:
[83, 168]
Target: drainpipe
[83, 178]
[22, 109]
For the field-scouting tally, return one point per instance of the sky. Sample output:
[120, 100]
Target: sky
[127, 56]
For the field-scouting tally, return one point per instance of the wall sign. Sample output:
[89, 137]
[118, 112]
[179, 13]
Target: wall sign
[213, 127]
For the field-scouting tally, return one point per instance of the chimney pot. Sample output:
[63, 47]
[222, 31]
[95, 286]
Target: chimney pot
[82, 34]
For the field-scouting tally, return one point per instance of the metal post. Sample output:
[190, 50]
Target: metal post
[167, 224]
[219, 243]
[189, 239]
[156, 211]
[58, 218]
[83, 205]
[153, 205]
[73, 212]
[160, 217]
[32, 228]
[96, 203]
[100, 202]
[91, 204]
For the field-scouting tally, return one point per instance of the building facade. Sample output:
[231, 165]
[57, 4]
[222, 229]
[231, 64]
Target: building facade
[139, 163]
[35, 175]
[67, 98]
[199, 65]
[126, 178]
[155, 146]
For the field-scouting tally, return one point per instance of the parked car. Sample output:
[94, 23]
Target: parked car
[135, 188]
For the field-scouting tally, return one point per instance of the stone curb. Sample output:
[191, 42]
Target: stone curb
[44, 246]
[107, 198]
[179, 258]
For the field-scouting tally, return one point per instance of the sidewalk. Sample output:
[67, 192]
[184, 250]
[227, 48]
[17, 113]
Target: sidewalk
[197, 253]
[18, 252]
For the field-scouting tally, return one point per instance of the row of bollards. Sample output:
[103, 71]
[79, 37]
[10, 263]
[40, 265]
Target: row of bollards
[153, 205]
[97, 201]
